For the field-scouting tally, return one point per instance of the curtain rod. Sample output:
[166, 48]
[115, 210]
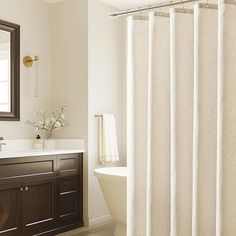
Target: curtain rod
[100, 115]
[150, 7]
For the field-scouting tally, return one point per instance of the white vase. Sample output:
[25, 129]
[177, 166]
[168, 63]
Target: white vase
[49, 144]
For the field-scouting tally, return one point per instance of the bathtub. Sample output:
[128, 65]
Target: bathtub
[113, 182]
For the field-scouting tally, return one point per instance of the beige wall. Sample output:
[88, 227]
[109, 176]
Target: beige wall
[70, 64]
[70, 72]
[34, 19]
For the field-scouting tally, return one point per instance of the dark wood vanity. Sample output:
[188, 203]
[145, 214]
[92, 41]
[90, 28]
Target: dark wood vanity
[41, 195]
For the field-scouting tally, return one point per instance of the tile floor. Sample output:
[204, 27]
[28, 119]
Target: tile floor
[104, 230]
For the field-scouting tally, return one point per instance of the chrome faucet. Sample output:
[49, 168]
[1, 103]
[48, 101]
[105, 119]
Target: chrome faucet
[1, 143]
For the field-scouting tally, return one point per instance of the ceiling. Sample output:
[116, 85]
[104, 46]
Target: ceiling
[53, 1]
[126, 4]
[120, 4]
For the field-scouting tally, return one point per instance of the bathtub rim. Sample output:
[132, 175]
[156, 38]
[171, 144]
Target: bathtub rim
[104, 173]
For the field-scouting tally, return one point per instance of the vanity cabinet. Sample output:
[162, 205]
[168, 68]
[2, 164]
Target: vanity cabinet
[41, 195]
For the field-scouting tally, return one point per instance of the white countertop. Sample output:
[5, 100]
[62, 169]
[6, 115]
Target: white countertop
[24, 148]
[37, 152]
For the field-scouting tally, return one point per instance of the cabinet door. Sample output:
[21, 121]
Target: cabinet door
[39, 198]
[10, 209]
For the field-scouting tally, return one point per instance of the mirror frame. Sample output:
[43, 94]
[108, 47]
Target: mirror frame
[14, 30]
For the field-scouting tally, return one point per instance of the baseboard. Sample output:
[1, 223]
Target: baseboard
[86, 222]
[100, 220]
[106, 221]
[60, 230]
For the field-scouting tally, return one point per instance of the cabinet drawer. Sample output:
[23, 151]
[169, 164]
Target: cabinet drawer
[68, 185]
[27, 166]
[69, 208]
[68, 164]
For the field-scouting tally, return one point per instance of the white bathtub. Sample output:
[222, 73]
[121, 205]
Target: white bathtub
[113, 182]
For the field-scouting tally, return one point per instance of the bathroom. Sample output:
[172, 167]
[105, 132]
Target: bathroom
[96, 139]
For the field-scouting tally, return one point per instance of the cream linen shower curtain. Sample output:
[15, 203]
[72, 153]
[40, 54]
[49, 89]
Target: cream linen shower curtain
[182, 122]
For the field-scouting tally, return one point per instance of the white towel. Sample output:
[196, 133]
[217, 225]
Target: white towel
[108, 150]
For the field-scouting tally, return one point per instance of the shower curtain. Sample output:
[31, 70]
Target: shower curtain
[181, 115]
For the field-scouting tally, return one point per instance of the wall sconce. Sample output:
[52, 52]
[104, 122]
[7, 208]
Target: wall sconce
[28, 62]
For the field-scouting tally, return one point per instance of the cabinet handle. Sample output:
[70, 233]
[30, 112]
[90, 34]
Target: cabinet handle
[21, 189]
[26, 188]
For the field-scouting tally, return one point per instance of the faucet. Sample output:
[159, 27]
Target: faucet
[1, 143]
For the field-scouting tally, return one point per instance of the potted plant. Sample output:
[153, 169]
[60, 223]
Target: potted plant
[48, 122]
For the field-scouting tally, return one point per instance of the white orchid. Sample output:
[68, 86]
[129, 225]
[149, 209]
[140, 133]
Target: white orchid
[57, 124]
[49, 123]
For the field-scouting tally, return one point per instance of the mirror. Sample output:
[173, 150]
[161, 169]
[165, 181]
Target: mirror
[5, 81]
[9, 71]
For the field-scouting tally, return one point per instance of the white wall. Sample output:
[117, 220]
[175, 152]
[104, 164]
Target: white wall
[106, 65]
[34, 19]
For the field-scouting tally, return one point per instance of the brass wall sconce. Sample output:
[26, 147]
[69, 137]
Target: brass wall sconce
[28, 62]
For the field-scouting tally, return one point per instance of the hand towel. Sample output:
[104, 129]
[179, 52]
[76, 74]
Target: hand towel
[108, 150]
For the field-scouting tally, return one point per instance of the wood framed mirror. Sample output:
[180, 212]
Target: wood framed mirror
[9, 71]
